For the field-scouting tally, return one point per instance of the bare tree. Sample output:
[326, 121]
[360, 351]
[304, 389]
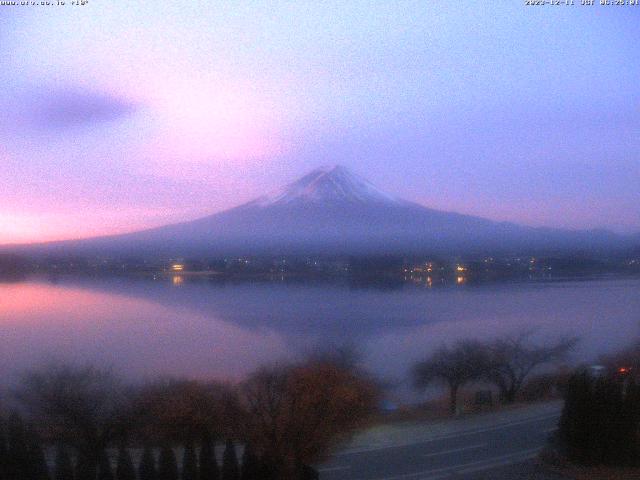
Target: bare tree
[454, 366]
[297, 414]
[82, 406]
[512, 358]
[185, 410]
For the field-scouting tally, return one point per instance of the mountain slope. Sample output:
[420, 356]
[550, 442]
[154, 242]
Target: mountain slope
[331, 210]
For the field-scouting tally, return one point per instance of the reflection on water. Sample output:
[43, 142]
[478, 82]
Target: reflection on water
[135, 334]
[144, 327]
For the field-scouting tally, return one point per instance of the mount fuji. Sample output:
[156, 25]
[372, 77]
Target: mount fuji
[333, 211]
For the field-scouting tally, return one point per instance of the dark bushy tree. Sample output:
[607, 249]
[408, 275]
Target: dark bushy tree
[189, 463]
[167, 465]
[267, 469]
[577, 426]
[250, 464]
[147, 469]
[308, 473]
[63, 469]
[600, 421]
[105, 472]
[630, 426]
[124, 468]
[230, 468]
[208, 464]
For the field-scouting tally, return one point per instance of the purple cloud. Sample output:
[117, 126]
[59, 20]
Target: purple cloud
[67, 108]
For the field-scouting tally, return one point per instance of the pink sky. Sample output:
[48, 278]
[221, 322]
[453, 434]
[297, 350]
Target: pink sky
[145, 114]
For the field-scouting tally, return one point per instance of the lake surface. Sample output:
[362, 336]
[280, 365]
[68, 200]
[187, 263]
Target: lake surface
[219, 330]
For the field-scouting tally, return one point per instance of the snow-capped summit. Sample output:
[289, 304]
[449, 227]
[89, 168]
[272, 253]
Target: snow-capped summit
[329, 184]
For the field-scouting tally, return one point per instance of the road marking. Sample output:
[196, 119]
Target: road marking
[447, 436]
[453, 450]
[442, 472]
[501, 461]
[333, 469]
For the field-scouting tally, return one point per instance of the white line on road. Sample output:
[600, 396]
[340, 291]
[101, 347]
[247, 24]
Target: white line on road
[446, 436]
[500, 461]
[333, 469]
[454, 450]
[493, 462]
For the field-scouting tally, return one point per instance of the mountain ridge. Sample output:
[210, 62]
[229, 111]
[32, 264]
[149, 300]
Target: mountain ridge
[332, 210]
[324, 183]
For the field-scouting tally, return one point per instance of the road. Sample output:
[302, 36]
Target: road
[462, 448]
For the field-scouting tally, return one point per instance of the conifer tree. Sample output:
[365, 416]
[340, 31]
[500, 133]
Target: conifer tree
[189, 463]
[230, 468]
[38, 468]
[250, 464]
[86, 464]
[208, 464]
[124, 468]
[266, 469]
[4, 454]
[167, 465]
[147, 469]
[63, 467]
[19, 464]
[105, 472]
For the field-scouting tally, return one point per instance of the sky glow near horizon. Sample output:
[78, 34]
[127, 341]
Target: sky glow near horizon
[121, 115]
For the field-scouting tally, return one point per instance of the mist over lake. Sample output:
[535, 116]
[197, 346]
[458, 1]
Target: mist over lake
[200, 329]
